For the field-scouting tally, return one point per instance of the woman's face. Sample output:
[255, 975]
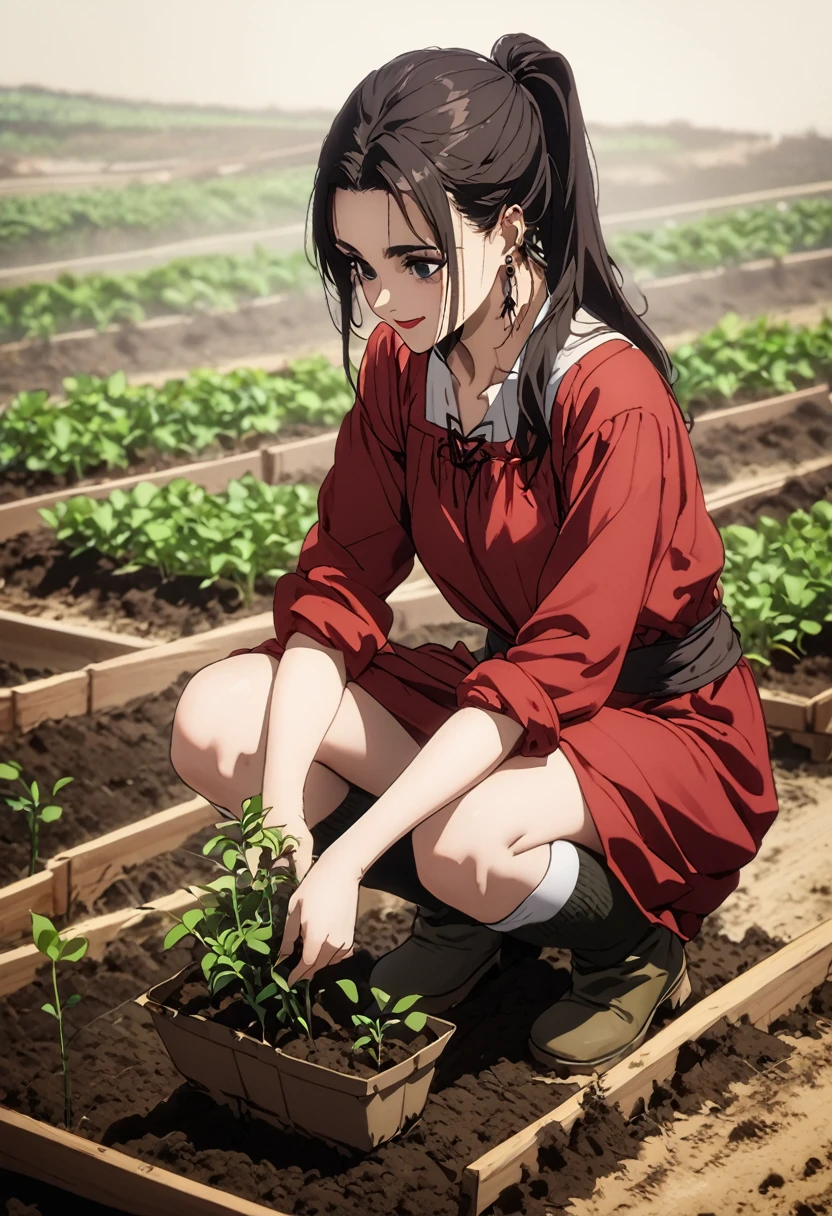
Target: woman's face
[402, 273]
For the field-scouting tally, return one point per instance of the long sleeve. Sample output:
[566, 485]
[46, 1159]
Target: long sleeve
[568, 655]
[360, 549]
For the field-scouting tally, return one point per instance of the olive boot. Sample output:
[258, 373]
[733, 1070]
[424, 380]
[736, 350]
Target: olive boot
[446, 955]
[624, 968]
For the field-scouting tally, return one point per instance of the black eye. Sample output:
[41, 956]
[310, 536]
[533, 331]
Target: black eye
[422, 269]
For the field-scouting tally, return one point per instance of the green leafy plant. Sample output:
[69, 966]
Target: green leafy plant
[750, 358]
[30, 805]
[777, 580]
[241, 913]
[50, 943]
[765, 231]
[248, 532]
[211, 283]
[109, 422]
[218, 204]
[370, 1032]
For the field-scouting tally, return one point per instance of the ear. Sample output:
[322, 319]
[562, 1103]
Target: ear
[513, 226]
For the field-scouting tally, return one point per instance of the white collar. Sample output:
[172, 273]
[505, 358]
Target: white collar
[500, 420]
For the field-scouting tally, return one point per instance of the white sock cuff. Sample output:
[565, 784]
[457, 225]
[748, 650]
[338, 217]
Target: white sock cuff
[555, 888]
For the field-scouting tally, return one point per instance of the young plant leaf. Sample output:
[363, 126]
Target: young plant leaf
[50, 1009]
[406, 1002]
[50, 813]
[381, 997]
[349, 990]
[73, 950]
[72, 1000]
[44, 932]
[416, 1020]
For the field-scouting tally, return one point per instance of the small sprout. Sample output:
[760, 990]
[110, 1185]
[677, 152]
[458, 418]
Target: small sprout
[371, 1031]
[50, 943]
[30, 805]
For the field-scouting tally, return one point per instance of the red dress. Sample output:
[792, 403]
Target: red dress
[610, 546]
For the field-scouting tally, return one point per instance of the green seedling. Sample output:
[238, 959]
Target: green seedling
[241, 913]
[30, 805]
[371, 1031]
[52, 945]
[290, 1011]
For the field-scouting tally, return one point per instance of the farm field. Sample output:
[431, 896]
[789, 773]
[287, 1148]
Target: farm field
[156, 477]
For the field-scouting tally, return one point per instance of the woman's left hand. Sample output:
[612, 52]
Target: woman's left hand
[322, 912]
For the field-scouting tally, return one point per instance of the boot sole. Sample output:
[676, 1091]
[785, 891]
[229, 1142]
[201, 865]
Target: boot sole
[676, 995]
[447, 1000]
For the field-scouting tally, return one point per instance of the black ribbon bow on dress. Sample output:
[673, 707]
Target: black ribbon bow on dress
[465, 451]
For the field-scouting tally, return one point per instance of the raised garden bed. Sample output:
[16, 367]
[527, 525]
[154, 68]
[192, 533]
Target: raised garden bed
[485, 1088]
[797, 693]
[120, 763]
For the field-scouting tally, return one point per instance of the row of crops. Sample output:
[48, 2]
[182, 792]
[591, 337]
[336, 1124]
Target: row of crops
[208, 205]
[187, 285]
[777, 578]
[107, 422]
[110, 423]
[193, 285]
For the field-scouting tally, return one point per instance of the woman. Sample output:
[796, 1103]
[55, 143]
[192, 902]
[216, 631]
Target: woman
[597, 776]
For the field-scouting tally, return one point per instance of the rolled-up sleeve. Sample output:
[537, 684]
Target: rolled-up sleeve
[568, 655]
[360, 549]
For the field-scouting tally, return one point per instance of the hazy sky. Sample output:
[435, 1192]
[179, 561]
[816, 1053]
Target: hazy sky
[757, 65]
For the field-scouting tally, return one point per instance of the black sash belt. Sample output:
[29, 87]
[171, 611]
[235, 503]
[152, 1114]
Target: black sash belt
[668, 667]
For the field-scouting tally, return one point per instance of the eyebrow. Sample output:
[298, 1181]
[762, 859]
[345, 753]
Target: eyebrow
[395, 251]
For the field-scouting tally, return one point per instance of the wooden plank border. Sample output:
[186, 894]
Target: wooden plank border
[765, 992]
[41, 642]
[107, 1176]
[18, 967]
[81, 874]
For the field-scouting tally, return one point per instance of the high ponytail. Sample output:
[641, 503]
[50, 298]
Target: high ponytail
[566, 236]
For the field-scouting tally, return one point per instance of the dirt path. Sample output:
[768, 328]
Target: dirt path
[768, 1153]
[788, 886]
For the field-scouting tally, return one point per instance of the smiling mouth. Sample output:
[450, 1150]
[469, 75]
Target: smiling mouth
[410, 324]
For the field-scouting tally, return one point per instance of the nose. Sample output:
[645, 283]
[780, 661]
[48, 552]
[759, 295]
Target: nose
[383, 298]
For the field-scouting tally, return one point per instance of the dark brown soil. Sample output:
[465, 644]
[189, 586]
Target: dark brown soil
[485, 1087]
[119, 759]
[11, 674]
[727, 453]
[23, 484]
[300, 322]
[40, 578]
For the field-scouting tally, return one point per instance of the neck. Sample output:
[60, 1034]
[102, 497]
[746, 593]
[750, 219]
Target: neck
[489, 344]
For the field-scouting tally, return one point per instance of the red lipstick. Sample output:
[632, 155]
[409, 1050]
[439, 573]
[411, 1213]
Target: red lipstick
[410, 324]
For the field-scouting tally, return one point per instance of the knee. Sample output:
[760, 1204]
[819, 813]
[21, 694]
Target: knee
[453, 851]
[217, 707]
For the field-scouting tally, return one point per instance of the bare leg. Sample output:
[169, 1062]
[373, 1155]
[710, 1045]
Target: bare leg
[483, 853]
[218, 744]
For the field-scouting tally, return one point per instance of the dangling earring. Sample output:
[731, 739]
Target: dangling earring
[509, 302]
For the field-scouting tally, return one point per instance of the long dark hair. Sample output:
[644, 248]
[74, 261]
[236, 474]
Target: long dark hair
[491, 133]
